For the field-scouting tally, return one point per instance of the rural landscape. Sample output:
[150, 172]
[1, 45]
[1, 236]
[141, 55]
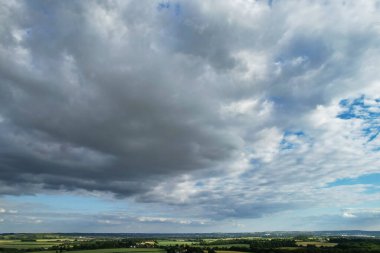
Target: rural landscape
[266, 242]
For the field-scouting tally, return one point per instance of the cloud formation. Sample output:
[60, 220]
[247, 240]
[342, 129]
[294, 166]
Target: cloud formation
[229, 109]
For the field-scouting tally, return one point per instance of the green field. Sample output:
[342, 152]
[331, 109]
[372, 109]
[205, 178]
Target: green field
[208, 240]
[18, 244]
[120, 250]
[241, 245]
[175, 242]
[317, 244]
[228, 251]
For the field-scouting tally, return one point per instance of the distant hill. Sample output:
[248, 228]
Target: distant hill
[340, 233]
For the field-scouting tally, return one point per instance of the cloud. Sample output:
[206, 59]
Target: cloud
[93, 123]
[53, 217]
[361, 213]
[228, 110]
[7, 211]
[350, 219]
[171, 220]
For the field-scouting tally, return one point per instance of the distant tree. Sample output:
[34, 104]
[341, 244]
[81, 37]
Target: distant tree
[211, 250]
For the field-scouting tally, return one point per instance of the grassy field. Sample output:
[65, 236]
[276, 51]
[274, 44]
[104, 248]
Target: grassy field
[175, 242]
[227, 251]
[196, 244]
[207, 240]
[122, 250]
[317, 244]
[18, 244]
[242, 245]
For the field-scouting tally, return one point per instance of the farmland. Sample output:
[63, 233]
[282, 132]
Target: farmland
[119, 243]
[176, 242]
[123, 250]
[316, 244]
[210, 242]
[25, 244]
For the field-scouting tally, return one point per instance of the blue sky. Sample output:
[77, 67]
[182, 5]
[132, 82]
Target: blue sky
[189, 116]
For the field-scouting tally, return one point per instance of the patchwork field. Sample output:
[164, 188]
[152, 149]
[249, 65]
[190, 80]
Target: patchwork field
[126, 250]
[317, 244]
[176, 242]
[103, 243]
[240, 245]
[19, 244]
[228, 251]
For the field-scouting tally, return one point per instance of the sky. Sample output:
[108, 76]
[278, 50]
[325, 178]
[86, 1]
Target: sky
[189, 116]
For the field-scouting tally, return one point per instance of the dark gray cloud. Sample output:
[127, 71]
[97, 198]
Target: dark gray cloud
[95, 108]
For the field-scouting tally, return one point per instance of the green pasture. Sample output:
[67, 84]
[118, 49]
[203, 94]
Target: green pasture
[228, 251]
[241, 245]
[18, 244]
[317, 244]
[117, 250]
[175, 242]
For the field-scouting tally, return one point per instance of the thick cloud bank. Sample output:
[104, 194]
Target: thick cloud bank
[229, 108]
